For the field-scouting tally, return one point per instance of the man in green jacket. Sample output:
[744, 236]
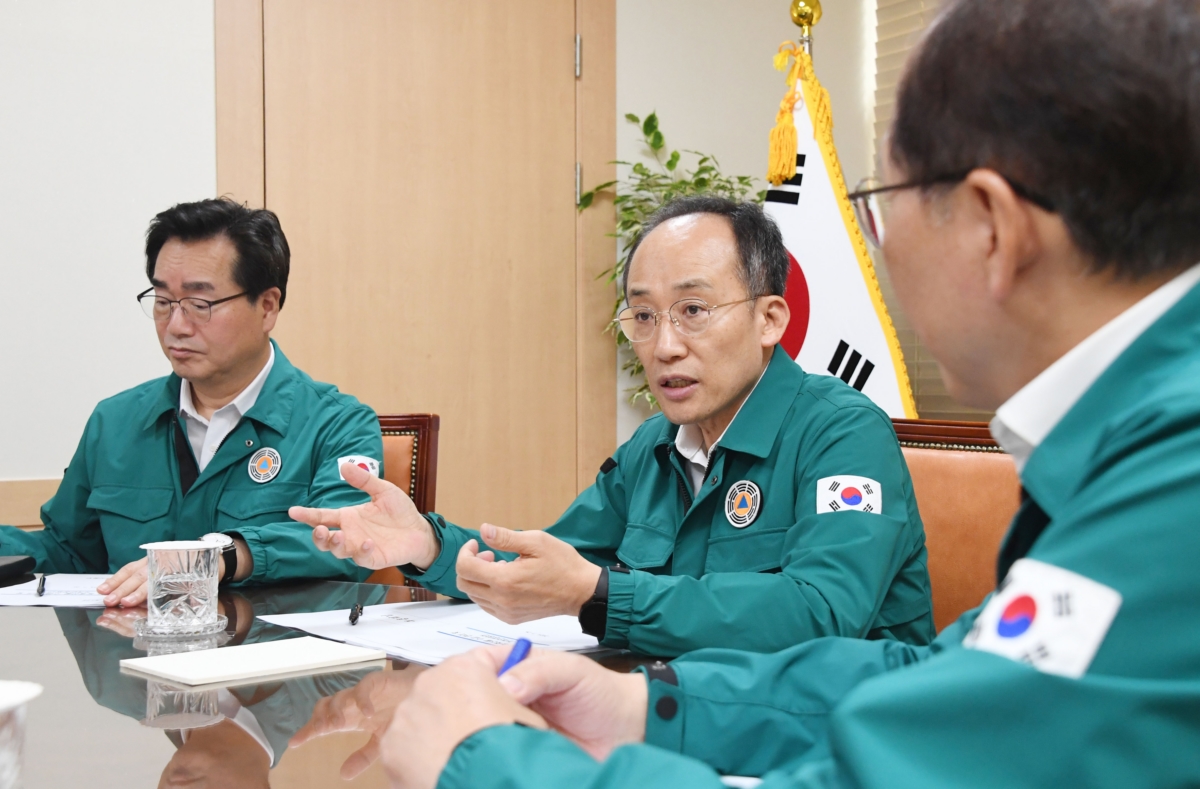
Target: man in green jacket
[1043, 238]
[764, 507]
[224, 444]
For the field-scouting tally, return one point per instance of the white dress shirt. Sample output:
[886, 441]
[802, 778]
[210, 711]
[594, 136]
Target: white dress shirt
[232, 710]
[1024, 421]
[689, 442]
[206, 435]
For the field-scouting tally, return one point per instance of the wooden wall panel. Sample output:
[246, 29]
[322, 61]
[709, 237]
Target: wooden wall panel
[21, 500]
[421, 158]
[596, 135]
[238, 49]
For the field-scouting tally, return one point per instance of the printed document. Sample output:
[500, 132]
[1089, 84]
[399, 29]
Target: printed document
[63, 590]
[430, 632]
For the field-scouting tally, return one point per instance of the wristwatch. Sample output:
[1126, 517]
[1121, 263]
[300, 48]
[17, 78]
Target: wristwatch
[228, 553]
[593, 615]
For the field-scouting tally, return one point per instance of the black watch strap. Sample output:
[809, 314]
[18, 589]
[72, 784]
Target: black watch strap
[229, 554]
[593, 615]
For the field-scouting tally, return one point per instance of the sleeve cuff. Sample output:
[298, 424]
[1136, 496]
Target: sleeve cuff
[621, 587]
[258, 553]
[664, 714]
[451, 539]
[509, 756]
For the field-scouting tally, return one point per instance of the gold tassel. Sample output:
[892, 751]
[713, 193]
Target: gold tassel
[781, 161]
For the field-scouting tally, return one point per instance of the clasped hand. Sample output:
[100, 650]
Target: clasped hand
[596, 708]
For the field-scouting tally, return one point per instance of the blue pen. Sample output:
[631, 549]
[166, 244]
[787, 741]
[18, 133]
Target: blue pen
[520, 651]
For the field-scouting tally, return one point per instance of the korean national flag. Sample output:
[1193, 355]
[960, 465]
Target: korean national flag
[848, 492]
[369, 465]
[840, 325]
[1050, 618]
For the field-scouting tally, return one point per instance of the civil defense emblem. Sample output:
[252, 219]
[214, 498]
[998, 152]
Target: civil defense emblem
[742, 503]
[265, 465]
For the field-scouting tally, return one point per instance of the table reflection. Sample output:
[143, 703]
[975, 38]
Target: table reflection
[234, 736]
[304, 731]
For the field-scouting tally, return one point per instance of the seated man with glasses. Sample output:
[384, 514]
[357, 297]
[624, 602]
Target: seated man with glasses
[717, 523]
[225, 443]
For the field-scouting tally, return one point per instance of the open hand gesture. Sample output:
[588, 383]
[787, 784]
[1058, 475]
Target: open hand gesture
[387, 531]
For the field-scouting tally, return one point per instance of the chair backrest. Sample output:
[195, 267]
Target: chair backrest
[410, 450]
[967, 491]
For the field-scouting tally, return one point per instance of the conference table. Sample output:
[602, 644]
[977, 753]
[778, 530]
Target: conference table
[94, 726]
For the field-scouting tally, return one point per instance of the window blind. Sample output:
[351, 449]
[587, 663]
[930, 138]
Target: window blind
[898, 27]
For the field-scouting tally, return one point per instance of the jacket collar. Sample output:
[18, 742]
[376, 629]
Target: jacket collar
[273, 408]
[754, 429]
[1060, 464]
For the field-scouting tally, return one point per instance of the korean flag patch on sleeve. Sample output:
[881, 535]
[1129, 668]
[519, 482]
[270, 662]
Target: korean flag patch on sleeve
[1053, 619]
[847, 492]
[370, 465]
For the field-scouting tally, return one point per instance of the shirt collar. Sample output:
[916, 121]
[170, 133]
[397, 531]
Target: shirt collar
[689, 441]
[1024, 421]
[756, 424]
[241, 404]
[237, 714]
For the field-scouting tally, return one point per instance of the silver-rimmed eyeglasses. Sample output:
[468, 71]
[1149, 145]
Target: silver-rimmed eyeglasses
[689, 316]
[195, 310]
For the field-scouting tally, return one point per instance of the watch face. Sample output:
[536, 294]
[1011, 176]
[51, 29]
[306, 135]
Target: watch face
[224, 540]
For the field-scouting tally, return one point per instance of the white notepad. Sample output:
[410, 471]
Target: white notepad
[251, 661]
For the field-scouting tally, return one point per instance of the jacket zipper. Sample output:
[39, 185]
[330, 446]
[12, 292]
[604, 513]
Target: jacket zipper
[683, 489]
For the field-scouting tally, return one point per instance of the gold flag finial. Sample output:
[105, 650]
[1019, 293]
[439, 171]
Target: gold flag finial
[805, 14]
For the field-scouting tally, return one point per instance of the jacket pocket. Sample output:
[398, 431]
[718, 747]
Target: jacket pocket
[131, 517]
[266, 504]
[746, 552]
[643, 547]
[135, 504]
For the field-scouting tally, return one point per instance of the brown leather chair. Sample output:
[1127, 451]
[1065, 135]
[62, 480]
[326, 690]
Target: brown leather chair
[967, 491]
[410, 450]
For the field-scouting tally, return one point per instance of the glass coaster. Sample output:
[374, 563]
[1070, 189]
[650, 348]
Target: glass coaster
[142, 628]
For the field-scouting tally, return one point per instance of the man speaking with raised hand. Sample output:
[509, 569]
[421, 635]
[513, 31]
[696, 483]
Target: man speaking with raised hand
[1042, 236]
[764, 507]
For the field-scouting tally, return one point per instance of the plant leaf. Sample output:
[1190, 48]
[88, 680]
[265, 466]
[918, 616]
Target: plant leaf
[629, 116]
[650, 125]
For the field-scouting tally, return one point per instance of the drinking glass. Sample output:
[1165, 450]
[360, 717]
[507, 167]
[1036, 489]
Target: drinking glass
[182, 599]
[170, 707]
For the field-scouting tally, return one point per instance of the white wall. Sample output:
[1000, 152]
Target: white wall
[705, 66]
[108, 118]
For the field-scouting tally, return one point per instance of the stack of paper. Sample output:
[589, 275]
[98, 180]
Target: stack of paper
[62, 591]
[290, 657]
[430, 632]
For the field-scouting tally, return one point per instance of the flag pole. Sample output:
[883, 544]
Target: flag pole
[805, 14]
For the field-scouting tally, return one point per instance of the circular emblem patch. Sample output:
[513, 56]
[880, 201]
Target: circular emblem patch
[265, 465]
[742, 503]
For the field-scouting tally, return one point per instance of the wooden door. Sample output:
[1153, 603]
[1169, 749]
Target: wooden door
[421, 158]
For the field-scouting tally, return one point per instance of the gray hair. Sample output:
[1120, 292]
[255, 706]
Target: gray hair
[763, 258]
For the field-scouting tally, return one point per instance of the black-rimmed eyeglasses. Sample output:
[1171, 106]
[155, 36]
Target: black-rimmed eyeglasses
[871, 211]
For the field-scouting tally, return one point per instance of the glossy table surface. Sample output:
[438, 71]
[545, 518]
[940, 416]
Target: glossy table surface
[96, 727]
